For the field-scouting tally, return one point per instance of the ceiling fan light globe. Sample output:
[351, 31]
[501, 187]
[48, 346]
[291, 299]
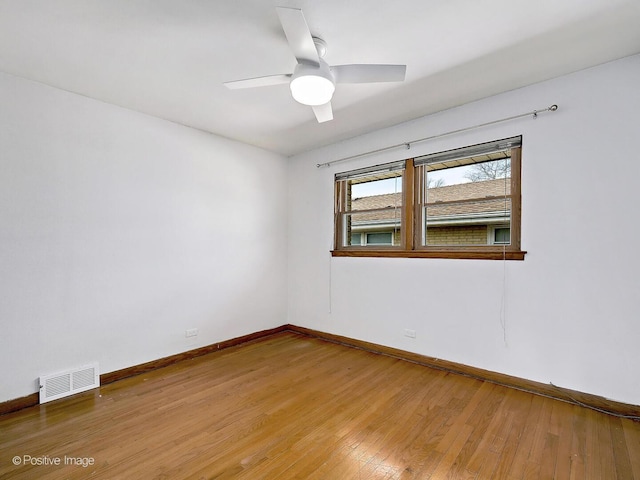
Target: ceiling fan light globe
[313, 90]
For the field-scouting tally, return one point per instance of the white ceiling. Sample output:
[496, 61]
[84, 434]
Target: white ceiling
[169, 58]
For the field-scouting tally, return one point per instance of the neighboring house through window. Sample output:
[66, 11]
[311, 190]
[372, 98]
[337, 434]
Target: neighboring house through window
[371, 238]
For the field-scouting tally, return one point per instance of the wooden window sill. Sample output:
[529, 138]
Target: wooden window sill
[461, 254]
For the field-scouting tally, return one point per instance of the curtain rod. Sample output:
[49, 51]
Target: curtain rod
[407, 145]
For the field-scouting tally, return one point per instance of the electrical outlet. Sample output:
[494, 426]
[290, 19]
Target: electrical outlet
[409, 333]
[192, 332]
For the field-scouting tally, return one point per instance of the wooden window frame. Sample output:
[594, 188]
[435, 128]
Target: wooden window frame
[410, 245]
[340, 209]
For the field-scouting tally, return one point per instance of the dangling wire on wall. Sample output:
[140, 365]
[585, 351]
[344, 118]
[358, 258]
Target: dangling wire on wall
[407, 145]
[503, 299]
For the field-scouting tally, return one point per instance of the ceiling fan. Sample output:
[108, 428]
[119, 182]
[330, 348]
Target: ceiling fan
[313, 81]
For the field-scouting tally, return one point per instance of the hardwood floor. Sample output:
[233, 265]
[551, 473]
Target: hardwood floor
[293, 407]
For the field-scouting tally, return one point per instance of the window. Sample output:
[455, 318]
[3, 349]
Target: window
[462, 203]
[373, 238]
[379, 238]
[369, 206]
[500, 236]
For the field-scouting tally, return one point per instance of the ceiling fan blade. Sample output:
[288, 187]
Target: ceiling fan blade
[259, 81]
[368, 73]
[323, 113]
[298, 35]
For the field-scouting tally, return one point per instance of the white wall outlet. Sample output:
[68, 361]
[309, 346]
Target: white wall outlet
[191, 332]
[409, 333]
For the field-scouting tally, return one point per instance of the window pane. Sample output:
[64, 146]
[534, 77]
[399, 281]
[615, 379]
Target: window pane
[454, 184]
[465, 201]
[471, 170]
[385, 238]
[502, 236]
[375, 191]
[356, 239]
[386, 222]
[457, 235]
[465, 222]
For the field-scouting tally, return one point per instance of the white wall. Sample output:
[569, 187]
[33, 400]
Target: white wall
[572, 306]
[118, 231]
